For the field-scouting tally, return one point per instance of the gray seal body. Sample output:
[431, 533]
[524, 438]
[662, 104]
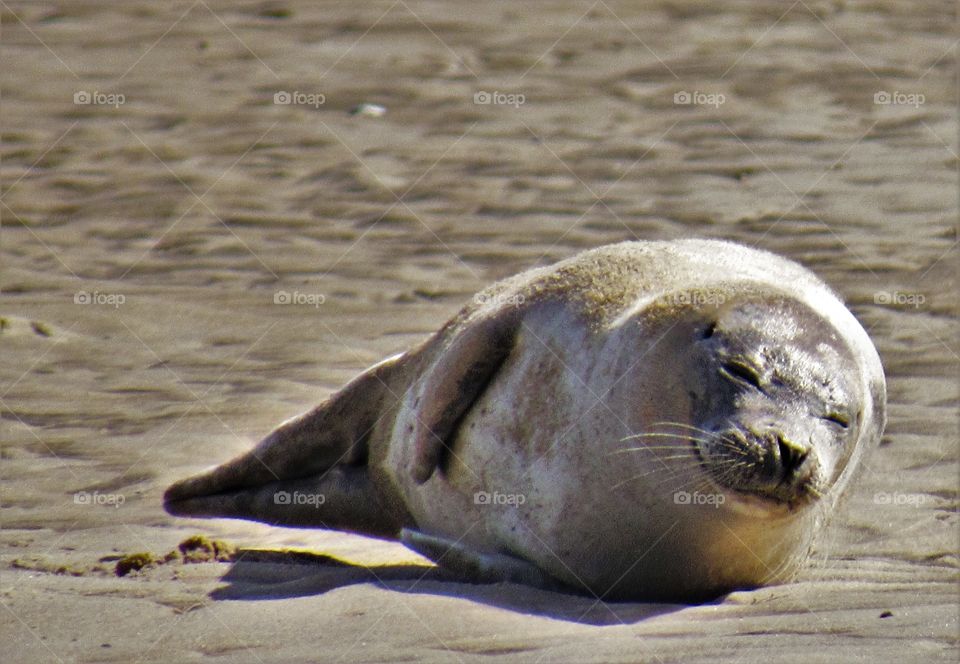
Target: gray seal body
[659, 420]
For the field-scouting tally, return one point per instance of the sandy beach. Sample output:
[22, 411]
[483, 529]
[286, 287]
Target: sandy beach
[216, 213]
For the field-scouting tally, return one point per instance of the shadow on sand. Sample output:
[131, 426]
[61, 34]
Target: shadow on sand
[263, 574]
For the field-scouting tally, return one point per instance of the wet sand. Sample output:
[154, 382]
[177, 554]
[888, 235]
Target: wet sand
[151, 236]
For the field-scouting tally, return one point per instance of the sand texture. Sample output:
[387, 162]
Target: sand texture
[146, 236]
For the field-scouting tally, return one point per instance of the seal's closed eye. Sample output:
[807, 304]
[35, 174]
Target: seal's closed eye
[839, 419]
[741, 372]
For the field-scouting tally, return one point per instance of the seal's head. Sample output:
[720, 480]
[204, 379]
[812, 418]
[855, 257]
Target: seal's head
[766, 397]
[777, 403]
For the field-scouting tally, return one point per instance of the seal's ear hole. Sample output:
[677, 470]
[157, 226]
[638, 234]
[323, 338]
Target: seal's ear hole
[708, 330]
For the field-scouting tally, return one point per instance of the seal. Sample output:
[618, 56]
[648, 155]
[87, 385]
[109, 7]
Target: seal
[645, 420]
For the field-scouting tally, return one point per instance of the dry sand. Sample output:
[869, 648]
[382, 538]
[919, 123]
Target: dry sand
[183, 211]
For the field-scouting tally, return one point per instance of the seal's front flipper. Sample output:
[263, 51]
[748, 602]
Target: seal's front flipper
[451, 386]
[476, 566]
[299, 458]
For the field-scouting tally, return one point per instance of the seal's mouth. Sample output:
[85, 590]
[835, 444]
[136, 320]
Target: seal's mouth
[767, 471]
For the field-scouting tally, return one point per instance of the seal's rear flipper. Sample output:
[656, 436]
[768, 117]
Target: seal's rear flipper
[341, 498]
[476, 566]
[300, 456]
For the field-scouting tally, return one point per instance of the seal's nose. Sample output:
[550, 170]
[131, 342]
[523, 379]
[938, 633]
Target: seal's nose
[768, 462]
[783, 458]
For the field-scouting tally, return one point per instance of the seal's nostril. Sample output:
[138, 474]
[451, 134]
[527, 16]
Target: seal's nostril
[790, 457]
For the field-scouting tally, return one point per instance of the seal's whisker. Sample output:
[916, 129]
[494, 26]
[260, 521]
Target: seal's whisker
[683, 439]
[695, 482]
[679, 443]
[654, 447]
[673, 456]
[699, 478]
[665, 471]
[683, 425]
[732, 465]
[649, 448]
[705, 486]
[723, 442]
[727, 442]
[660, 434]
[634, 450]
[725, 469]
[730, 448]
